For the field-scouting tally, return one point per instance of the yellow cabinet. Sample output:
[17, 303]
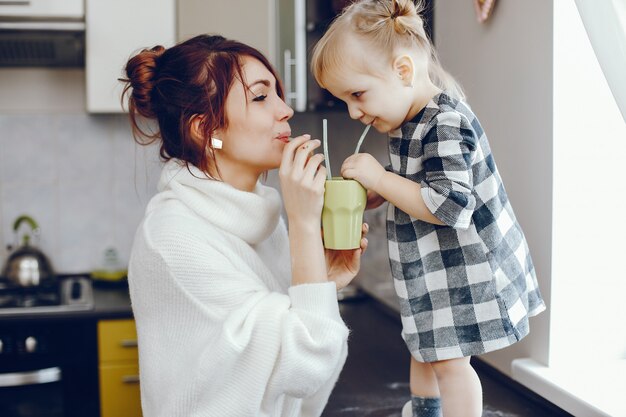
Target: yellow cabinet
[119, 369]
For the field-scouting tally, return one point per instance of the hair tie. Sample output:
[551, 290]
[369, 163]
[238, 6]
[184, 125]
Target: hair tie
[394, 15]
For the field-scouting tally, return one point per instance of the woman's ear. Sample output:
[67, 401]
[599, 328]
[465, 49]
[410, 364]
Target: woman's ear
[197, 132]
[196, 127]
[404, 67]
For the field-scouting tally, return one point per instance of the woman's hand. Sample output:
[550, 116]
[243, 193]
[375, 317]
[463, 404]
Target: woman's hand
[373, 200]
[364, 168]
[302, 180]
[343, 265]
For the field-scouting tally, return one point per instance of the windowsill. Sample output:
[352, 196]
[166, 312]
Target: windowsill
[589, 388]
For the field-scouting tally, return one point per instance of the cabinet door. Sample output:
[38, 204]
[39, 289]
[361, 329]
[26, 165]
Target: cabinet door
[115, 30]
[119, 391]
[250, 22]
[117, 340]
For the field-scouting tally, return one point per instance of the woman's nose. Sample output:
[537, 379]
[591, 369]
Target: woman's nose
[284, 111]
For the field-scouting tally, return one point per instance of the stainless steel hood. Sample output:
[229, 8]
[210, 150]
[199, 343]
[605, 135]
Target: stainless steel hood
[42, 33]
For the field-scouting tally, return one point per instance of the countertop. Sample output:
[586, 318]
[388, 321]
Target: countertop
[111, 302]
[375, 378]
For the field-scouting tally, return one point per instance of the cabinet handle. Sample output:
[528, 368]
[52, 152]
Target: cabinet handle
[301, 67]
[128, 343]
[41, 376]
[14, 2]
[130, 379]
[288, 62]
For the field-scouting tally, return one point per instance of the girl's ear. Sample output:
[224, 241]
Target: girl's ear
[405, 69]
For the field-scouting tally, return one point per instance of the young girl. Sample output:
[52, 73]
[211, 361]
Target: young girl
[459, 260]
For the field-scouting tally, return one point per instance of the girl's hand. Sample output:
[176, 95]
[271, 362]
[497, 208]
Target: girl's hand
[364, 168]
[373, 200]
[343, 265]
[302, 180]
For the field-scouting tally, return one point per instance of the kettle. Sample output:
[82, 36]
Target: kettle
[27, 266]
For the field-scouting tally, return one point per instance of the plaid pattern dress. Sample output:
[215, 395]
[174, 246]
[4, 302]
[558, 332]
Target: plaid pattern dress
[468, 287]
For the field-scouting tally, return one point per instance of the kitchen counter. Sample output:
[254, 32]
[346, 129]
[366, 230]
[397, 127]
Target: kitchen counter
[109, 303]
[375, 379]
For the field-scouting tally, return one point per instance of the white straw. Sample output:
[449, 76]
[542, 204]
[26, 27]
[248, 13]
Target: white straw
[358, 146]
[325, 138]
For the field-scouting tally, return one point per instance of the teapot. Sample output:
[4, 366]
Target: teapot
[27, 266]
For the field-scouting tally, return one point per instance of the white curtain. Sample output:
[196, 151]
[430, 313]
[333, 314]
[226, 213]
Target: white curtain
[605, 23]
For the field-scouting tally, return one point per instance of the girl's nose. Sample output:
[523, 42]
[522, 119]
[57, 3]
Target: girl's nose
[354, 112]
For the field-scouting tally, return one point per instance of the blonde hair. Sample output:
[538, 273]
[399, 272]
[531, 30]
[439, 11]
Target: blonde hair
[387, 25]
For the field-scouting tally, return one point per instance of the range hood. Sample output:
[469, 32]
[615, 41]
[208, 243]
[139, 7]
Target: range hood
[42, 33]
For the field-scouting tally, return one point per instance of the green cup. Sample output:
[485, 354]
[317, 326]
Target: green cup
[342, 215]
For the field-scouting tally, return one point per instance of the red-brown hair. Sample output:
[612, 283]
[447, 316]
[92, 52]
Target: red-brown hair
[172, 85]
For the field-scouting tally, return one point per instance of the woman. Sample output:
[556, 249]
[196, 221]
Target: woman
[235, 316]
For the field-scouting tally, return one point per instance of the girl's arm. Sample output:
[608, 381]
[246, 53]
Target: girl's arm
[405, 195]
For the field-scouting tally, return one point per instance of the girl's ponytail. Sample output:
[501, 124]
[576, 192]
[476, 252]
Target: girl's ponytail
[387, 25]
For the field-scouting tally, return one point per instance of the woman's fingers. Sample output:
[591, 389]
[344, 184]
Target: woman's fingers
[303, 152]
[364, 243]
[289, 151]
[312, 165]
[365, 228]
[320, 177]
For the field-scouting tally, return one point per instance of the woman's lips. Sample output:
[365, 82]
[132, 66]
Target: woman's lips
[283, 138]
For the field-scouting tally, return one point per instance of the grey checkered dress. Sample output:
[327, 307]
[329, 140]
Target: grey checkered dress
[468, 287]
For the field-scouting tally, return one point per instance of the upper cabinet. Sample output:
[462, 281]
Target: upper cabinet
[113, 29]
[251, 22]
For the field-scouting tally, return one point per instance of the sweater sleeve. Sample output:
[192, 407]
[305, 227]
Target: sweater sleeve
[447, 190]
[292, 343]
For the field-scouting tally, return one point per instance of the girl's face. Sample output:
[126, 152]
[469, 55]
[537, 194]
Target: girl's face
[381, 99]
[258, 126]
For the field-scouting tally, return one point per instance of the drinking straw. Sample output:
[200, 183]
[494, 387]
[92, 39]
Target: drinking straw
[325, 138]
[358, 146]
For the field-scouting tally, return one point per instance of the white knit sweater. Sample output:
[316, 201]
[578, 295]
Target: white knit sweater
[221, 331]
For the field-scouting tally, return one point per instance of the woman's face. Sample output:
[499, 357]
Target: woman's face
[258, 126]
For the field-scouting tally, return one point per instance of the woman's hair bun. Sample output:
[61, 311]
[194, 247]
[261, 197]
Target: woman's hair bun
[141, 73]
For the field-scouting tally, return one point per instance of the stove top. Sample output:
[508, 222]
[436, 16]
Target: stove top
[74, 293]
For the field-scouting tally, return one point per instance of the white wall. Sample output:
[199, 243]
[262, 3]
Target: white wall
[559, 139]
[588, 279]
[505, 67]
[41, 90]
[80, 176]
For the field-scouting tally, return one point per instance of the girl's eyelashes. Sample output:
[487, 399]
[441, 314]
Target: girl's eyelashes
[357, 94]
[260, 97]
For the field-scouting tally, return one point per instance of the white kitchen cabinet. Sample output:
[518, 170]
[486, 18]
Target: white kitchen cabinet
[115, 30]
[251, 22]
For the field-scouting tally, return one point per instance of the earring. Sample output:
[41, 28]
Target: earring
[216, 143]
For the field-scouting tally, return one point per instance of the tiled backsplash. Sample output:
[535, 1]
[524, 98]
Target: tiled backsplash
[81, 177]
[86, 182]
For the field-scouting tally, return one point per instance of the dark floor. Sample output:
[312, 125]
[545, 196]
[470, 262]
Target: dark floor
[374, 381]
